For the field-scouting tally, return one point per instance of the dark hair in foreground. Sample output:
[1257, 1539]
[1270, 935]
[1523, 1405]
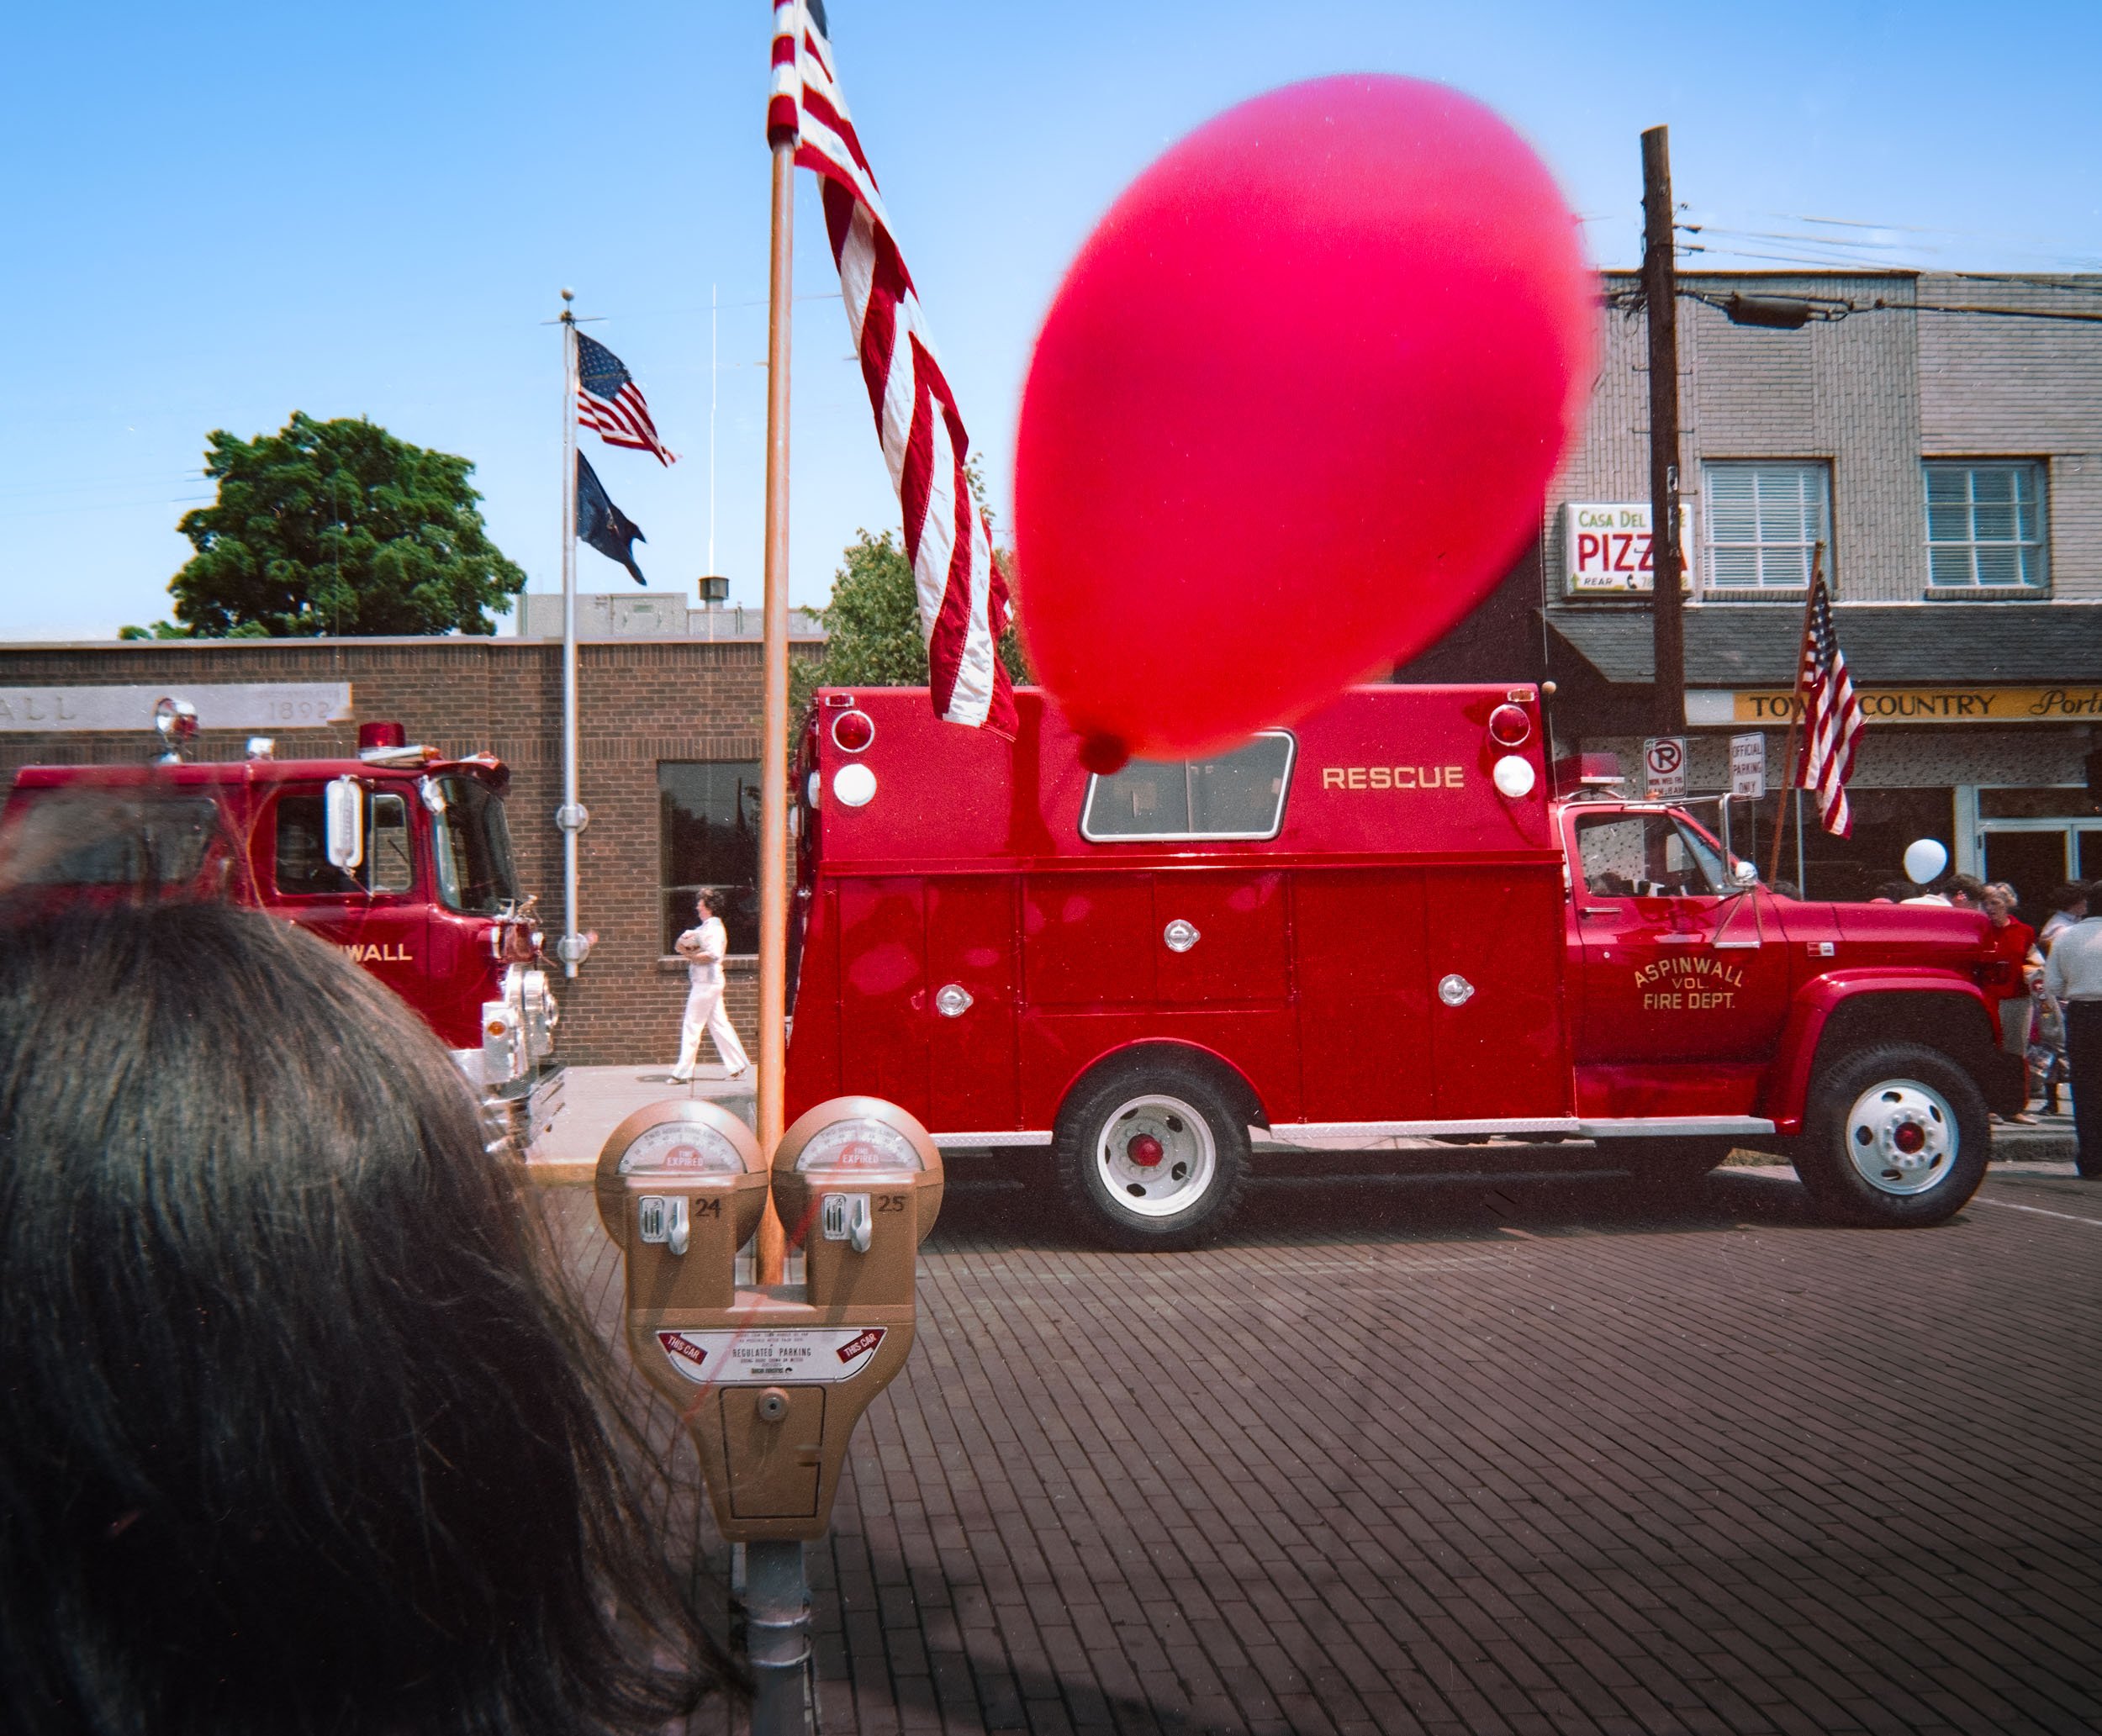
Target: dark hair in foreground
[296, 1433]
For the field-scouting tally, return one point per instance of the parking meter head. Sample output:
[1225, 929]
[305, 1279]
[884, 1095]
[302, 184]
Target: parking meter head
[681, 1186]
[858, 1184]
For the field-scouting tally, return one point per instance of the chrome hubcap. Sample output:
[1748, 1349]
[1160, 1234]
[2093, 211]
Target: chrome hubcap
[1156, 1156]
[1902, 1137]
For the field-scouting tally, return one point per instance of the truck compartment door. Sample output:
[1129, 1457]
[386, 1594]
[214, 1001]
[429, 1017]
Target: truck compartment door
[970, 1013]
[1493, 966]
[883, 989]
[1230, 945]
[1363, 1019]
[1089, 939]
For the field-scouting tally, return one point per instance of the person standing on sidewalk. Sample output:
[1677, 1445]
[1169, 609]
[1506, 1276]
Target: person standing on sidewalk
[2073, 977]
[2013, 942]
[2068, 905]
[703, 947]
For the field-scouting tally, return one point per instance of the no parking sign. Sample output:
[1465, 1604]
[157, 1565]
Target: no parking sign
[1664, 765]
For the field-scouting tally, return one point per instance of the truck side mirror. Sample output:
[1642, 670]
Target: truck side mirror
[343, 811]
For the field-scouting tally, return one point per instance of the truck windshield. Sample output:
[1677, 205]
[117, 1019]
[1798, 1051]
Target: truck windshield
[111, 838]
[471, 842]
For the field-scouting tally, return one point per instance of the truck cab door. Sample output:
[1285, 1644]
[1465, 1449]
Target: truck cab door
[377, 911]
[1675, 965]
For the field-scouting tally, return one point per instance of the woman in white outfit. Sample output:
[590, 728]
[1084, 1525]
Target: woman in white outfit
[702, 947]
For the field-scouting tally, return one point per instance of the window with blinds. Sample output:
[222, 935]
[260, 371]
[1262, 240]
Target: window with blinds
[1763, 522]
[1985, 527]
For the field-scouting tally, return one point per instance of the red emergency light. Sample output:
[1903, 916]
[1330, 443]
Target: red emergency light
[381, 735]
[1586, 770]
[1509, 726]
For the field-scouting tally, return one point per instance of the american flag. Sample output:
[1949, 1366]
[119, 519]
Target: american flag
[1831, 714]
[962, 596]
[609, 400]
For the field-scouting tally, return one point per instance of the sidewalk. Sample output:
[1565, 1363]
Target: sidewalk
[596, 1099]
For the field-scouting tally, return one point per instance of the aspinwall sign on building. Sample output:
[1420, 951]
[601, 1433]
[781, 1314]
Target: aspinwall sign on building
[237, 705]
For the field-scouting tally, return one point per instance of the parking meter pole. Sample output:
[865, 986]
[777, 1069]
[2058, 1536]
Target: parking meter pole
[777, 1615]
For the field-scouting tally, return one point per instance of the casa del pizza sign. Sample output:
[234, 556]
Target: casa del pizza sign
[1718, 709]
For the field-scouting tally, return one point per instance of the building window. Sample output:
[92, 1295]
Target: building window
[708, 832]
[1985, 526]
[1763, 522]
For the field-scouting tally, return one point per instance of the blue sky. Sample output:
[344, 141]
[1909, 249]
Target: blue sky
[225, 213]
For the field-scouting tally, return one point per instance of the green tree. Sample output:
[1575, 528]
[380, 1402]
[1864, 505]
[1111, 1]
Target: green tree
[872, 625]
[336, 528]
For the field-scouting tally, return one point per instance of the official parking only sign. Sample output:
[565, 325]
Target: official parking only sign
[1664, 766]
[1748, 767]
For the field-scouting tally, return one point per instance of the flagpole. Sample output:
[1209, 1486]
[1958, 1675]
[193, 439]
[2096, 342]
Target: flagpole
[773, 721]
[1781, 802]
[570, 816]
[715, 377]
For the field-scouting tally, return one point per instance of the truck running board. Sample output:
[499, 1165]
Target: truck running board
[1621, 1127]
[1648, 1126]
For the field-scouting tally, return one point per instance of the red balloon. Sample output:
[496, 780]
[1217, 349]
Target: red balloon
[1293, 410]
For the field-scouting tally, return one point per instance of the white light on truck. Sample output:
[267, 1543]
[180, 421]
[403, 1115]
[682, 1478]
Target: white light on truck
[1513, 776]
[855, 785]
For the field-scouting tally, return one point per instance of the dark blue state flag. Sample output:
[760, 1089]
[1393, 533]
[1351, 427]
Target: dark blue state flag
[603, 525]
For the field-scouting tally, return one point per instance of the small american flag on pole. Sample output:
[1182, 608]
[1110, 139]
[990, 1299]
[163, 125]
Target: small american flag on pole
[609, 400]
[1831, 714]
[962, 598]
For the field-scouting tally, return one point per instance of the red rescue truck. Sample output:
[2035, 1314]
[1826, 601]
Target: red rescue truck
[1381, 921]
[401, 857]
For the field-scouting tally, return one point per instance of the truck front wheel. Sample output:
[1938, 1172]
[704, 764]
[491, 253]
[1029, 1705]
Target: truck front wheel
[1153, 1157]
[1894, 1137]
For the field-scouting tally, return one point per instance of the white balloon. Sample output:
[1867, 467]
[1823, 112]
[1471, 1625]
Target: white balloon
[1925, 859]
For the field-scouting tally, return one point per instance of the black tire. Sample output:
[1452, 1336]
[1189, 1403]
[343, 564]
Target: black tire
[1128, 1203]
[1858, 1158]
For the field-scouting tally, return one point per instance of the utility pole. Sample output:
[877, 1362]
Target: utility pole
[1659, 296]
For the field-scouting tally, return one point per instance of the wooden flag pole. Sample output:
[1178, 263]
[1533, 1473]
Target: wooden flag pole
[773, 725]
[1781, 801]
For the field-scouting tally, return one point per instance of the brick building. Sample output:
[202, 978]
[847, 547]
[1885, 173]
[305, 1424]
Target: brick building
[669, 742]
[1951, 464]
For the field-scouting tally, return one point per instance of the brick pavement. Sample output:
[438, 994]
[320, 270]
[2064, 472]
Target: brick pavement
[1516, 1453]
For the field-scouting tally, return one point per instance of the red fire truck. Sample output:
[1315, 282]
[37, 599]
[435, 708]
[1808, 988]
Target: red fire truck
[1379, 921]
[400, 856]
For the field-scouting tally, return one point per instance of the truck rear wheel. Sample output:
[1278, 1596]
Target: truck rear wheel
[1894, 1137]
[1153, 1157]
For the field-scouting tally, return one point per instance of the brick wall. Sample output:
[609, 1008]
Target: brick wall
[639, 702]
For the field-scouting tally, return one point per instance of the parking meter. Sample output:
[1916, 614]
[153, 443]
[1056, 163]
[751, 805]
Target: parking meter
[770, 1379]
[858, 1184]
[681, 1186]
